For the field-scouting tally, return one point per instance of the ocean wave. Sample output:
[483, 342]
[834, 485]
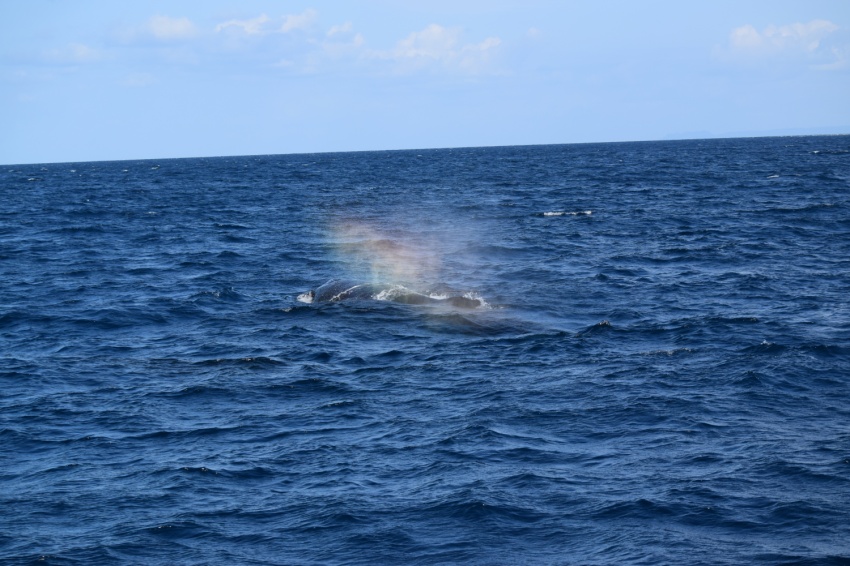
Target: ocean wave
[664, 380]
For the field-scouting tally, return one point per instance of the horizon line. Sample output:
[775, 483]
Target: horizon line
[673, 138]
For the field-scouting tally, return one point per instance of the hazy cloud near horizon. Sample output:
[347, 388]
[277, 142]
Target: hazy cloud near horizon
[94, 80]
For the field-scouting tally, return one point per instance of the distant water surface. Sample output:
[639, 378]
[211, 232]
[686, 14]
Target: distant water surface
[658, 372]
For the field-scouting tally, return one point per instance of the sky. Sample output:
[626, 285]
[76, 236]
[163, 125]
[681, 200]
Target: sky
[97, 80]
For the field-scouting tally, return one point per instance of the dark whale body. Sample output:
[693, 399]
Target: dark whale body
[341, 290]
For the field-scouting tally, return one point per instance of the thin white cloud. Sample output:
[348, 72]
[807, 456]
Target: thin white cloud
[303, 20]
[340, 29]
[434, 42]
[788, 42]
[166, 28]
[262, 25]
[82, 53]
[137, 80]
[340, 41]
[159, 28]
[337, 48]
[745, 38]
[434, 48]
[805, 37]
[840, 59]
[74, 53]
[472, 57]
[534, 33]
[441, 46]
[249, 27]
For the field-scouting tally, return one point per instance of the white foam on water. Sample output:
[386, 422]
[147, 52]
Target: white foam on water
[568, 213]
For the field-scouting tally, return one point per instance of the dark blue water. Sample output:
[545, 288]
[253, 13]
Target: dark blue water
[659, 371]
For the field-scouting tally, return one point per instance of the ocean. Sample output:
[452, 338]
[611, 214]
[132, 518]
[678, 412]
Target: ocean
[650, 362]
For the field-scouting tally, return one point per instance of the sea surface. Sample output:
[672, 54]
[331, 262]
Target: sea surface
[657, 371]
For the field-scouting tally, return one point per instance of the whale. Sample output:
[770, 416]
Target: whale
[341, 290]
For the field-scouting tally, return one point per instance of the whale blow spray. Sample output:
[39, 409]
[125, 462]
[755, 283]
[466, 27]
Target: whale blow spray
[382, 258]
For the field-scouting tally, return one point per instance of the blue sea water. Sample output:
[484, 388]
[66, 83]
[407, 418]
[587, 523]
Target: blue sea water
[659, 371]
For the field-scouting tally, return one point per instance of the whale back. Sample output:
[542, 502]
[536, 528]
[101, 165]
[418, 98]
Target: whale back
[340, 289]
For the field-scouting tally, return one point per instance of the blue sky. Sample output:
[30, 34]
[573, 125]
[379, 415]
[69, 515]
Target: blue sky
[90, 80]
